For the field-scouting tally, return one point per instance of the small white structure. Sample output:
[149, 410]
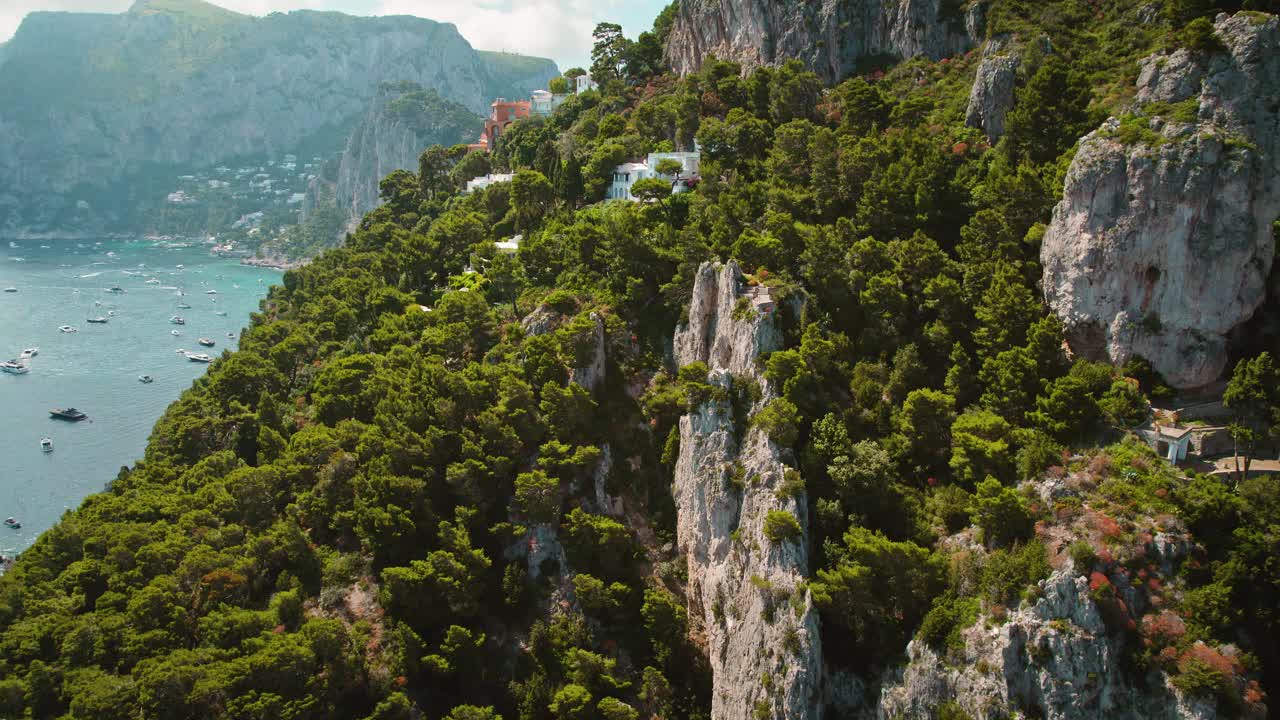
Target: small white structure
[1168, 441]
[625, 176]
[543, 102]
[484, 181]
[583, 83]
[510, 245]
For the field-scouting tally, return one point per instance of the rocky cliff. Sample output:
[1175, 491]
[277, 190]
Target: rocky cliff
[991, 97]
[403, 121]
[745, 591]
[1162, 242]
[98, 106]
[829, 37]
[1067, 650]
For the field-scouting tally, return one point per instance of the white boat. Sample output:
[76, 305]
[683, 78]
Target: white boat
[11, 289]
[183, 306]
[112, 313]
[97, 303]
[29, 353]
[178, 266]
[152, 281]
[205, 342]
[66, 328]
[174, 333]
[221, 313]
[147, 379]
[13, 367]
[181, 351]
[46, 445]
[199, 357]
[178, 320]
[231, 335]
[12, 523]
[210, 292]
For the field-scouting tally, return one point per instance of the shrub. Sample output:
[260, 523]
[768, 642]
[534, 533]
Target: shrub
[1082, 557]
[780, 421]
[999, 511]
[949, 506]
[1008, 572]
[942, 626]
[780, 525]
[1198, 36]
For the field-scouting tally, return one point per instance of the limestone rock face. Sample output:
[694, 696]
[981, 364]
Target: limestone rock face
[744, 589]
[1162, 247]
[829, 36]
[403, 121]
[94, 104]
[1056, 657]
[991, 97]
[591, 376]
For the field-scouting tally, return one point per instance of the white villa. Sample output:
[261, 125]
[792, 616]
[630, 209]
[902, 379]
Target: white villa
[583, 83]
[624, 176]
[484, 181]
[544, 102]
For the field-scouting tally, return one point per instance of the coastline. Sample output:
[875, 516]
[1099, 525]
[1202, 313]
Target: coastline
[273, 262]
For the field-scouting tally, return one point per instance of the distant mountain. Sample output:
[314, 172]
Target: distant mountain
[100, 109]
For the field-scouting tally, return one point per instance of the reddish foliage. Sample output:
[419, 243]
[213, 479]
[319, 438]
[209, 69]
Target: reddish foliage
[401, 681]
[1168, 656]
[1253, 694]
[277, 629]
[1164, 629]
[1056, 471]
[1162, 493]
[1098, 581]
[1103, 554]
[1208, 656]
[1106, 526]
[1154, 585]
[960, 148]
[1100, 466]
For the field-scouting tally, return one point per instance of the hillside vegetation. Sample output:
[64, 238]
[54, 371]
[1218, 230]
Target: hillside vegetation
[419, 492]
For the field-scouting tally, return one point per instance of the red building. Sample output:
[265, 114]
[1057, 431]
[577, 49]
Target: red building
[501, 114]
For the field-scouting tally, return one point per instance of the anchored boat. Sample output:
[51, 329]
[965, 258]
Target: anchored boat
[71, 414]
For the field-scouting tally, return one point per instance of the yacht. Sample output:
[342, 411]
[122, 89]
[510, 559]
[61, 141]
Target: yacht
[210, 292]
[174, 333]
[14, 367]
[71, 414]
[66, 328]
[46, 445]
[146, 379]
[179, 267]
[183, 306]
[11, 289]
[199, 357]
[220, 313]
[205, 342]
[152, 281]
[116, 290]
[97, 321]
[12, 524]
[29, 353]
[178, 320]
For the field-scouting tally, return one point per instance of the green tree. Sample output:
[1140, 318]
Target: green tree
[609, 53]
[1000, 513]
[1253, 396]
[981, 445]
[1051, 113]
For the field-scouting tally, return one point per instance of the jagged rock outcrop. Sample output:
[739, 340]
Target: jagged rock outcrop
[991, 97]
[829, 36]
[403, 121]
[97, 107]
[745, 591]
[1161, 246]
[591, 375]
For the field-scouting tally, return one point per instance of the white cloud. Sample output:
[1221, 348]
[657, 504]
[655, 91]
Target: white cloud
[558, 29]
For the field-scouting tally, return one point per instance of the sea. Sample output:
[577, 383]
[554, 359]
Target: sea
[97, 368]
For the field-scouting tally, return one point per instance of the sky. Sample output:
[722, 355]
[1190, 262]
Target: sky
[558, 29]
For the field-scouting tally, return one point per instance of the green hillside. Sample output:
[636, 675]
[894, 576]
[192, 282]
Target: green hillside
[423, 491]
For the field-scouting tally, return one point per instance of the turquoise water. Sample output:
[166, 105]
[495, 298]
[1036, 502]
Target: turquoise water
[96, 369]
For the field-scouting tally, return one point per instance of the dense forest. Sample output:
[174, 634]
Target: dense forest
[394, 500]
